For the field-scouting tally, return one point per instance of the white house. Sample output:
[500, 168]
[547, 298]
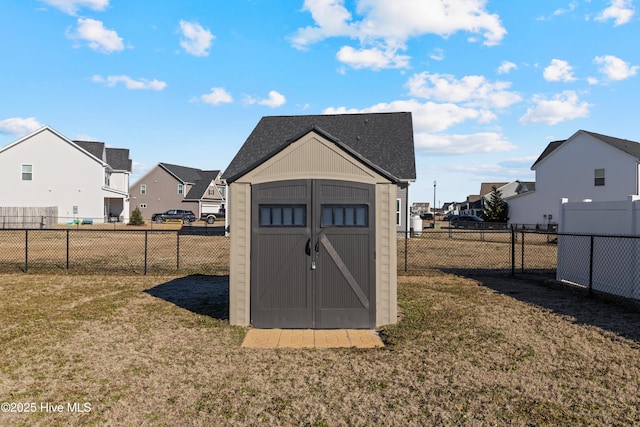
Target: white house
[586, 166]
[83, 179]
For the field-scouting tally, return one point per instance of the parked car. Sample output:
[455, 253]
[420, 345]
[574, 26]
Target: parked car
[467, 221]
[210, 218]
[449, 217]
[186, 216]
[427, 216]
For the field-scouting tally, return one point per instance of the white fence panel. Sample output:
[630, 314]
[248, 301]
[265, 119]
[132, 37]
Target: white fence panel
[610, 260]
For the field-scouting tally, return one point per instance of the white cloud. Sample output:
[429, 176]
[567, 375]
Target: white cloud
[621, 11]
[71, 7]
[615, 68]
[374, 58]
[563, 106]
[18, 126]
[437, 54]
[130, 83]
[97, 36]
[506, 67]
[427, 117]
[196, 40]
[470, 90]
[275, 100]
[332, 19]
[571, 8]
[391, 24]
[217, 96]
[559, 71]
[484, 142]
[431, 117]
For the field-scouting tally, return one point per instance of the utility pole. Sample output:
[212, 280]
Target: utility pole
[434, 204]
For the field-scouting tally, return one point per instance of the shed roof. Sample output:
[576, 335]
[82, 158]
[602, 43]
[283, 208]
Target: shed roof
[384, 141]
[630, 147]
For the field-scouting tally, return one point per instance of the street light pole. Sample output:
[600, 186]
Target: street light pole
[434, 204]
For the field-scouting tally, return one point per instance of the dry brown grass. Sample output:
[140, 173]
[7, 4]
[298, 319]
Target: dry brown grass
[158, 350]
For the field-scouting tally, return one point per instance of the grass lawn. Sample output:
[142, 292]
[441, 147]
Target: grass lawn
[158, 350]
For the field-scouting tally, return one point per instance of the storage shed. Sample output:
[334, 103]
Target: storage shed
[312, 216]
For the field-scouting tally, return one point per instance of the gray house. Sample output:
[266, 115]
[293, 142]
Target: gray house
[313, 212]
[168, 186]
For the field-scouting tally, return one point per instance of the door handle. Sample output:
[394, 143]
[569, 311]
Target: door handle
[307, 247]
[317, 247]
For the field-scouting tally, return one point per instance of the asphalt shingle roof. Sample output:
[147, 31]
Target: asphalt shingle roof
[384, 141]
[629, 147]
[200, 179]
[117, 158]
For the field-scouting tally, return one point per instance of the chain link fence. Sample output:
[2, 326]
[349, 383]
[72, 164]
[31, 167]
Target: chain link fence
[477, 252]
[609, 264]
[203, 251]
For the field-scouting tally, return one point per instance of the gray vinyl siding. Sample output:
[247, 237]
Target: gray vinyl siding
[161, 194]
[401, 195]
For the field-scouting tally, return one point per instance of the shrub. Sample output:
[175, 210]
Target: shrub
[136, 217]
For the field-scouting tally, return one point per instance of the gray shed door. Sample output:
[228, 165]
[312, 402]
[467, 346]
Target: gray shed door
[312, 256]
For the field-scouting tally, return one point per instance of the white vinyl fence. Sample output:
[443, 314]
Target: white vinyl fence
[599, 246]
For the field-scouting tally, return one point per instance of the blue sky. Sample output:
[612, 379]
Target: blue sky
[489, 83]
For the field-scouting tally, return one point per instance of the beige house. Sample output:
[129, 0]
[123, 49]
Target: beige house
[313, 213]
[168, 186]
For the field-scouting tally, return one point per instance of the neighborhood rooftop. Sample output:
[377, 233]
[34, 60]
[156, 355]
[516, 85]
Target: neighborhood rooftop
[629, 147]
[200, 179]
[382, 140]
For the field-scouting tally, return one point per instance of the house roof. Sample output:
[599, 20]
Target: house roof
[383, 141]
[93, 147]
[630, 147]
[116, 158]
[198, 178]
[487, 187]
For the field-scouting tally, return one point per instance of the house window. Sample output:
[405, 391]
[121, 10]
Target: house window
[599, 178]
[180, 189]
[398, 212]
[27, 172]
[107, 179]
[143, 189]
[211, 191]
[143, 205]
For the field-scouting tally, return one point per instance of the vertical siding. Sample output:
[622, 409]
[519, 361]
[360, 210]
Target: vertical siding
[239, 270]
[386, 253]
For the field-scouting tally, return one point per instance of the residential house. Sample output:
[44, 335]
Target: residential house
[587, 166]
[168, 186]
[420, 208]
[472, 206]
[84, 180]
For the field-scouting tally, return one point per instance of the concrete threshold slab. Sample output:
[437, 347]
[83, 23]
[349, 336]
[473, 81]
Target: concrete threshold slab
[311, 338]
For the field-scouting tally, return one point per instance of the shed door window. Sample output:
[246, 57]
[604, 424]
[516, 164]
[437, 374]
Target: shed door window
[283, 216]
[345, 216]
[27, 172]
[599, 177]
